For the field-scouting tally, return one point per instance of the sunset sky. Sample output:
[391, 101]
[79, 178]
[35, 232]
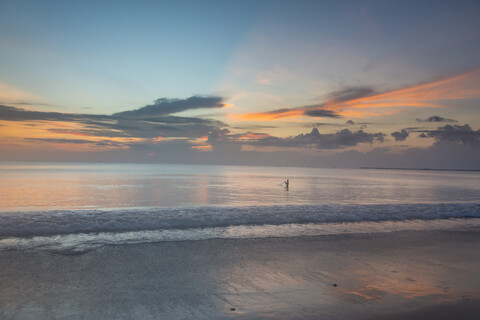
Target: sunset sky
[307, 83]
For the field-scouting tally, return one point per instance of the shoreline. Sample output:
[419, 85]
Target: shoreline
[397, 275]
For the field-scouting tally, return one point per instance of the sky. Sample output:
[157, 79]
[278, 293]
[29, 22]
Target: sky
[293, 83]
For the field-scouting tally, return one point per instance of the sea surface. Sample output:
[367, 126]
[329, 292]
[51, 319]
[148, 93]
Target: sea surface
[77, 207]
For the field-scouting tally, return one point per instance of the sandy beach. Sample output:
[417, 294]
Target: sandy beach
[396, 275]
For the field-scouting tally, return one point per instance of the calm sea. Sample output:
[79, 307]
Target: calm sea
[79, 206]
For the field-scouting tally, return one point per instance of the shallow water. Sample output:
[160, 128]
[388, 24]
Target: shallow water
[63, 205]
[34, 186]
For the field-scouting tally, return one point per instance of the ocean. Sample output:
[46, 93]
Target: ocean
[77, 207]
[156, 241]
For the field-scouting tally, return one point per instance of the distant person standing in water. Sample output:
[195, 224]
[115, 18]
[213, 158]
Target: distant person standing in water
[286, 184]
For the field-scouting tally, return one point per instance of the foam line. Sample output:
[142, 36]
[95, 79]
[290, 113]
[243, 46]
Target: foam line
[32, 223]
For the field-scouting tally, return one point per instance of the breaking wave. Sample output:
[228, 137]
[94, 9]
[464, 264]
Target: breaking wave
[57, 222]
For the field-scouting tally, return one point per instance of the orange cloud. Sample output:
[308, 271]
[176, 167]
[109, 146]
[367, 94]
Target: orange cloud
[253, 136]
[463, 86]
[203, 148]
[41, 135]
[426, 95]
[270, 116]
[71, 132]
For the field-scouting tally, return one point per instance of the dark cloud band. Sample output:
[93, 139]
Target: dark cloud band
[147, 122]
[315, 139]
[164, 106]
[463, 135]
[437, 119]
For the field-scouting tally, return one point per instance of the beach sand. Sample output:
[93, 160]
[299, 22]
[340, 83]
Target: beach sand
[395, 275]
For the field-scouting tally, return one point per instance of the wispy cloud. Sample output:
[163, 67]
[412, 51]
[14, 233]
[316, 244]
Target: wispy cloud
[14, 96]
[164, 106]
[102, 143]
[320, 113]
[354, 101]
[437, 119]
[310, 111]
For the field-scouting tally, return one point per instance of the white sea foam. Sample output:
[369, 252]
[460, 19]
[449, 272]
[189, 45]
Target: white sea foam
[41, 223]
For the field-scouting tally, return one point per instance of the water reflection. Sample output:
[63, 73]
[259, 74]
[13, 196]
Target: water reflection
[349, 278]
[73, 186]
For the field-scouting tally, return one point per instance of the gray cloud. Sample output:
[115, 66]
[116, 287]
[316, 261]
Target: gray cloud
[17, 114]
[74, 141]
[318, 110]
[323, 124]
[149, 123]
[343, 95]
[351, 123]
[436, 119]
[25, 103]
[165, 127]
[77, 141]
[463, 135]
[400, 135]
[218, 135]
[340, 139]
[446, 155]
[223, 142]
[310, 110]
[350, 93]
[165, 106]
[321, 113]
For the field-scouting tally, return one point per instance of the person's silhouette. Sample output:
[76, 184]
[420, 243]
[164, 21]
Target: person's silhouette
[286, 184]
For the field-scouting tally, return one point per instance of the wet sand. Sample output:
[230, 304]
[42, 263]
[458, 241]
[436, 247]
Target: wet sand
[396, 275]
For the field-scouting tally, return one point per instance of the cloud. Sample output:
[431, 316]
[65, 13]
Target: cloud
[323, 124]
[355, 101]
[163, 106]
[78, 141]
[254, 127]
[443, 155]
[316, 110]
[17, 114]
[351, 123]
[149, 124]
[321, 113]
[12, 95]
[225, 140]
[340, 139]
[463, 135]
[436, 119]
[350, 93]
[218, 135]
[166, 126]
[400, 135]
[74, 141]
